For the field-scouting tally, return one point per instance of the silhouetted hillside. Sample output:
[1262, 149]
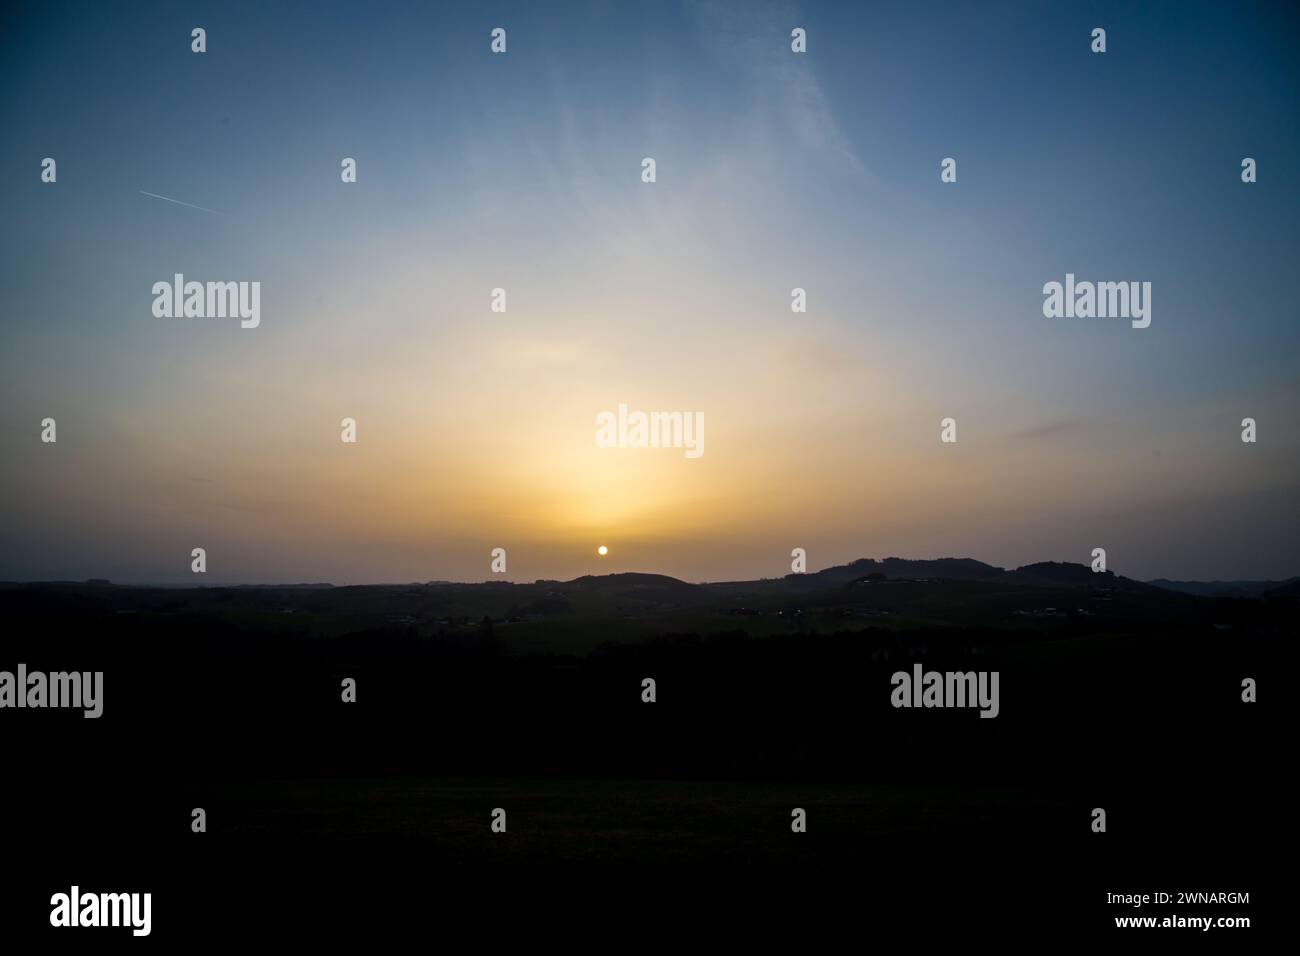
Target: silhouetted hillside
[939, 569]
[1289, 590]
[1062, 574]
[626, 581]
[1044, 574]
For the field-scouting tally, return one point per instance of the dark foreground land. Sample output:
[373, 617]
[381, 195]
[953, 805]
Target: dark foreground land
[770, 696]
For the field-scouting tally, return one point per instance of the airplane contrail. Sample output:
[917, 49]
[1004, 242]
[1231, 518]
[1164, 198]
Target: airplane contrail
[179, 203]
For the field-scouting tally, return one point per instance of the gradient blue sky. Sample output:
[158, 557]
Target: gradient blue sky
[523, 171]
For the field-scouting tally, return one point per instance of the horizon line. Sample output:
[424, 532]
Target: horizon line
[434, 582]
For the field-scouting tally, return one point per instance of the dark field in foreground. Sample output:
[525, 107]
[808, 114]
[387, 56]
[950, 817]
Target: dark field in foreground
[598, 821]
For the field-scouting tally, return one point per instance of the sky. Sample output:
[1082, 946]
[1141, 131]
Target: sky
[523, 171]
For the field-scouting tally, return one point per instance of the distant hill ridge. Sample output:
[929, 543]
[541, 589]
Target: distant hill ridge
[1042, 574]
[1249, 589]
[1045, 574]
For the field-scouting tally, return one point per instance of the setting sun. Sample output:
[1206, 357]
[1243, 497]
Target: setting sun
[602, 550]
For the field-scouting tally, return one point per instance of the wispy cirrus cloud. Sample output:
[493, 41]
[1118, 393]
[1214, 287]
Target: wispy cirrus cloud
[753, 40]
